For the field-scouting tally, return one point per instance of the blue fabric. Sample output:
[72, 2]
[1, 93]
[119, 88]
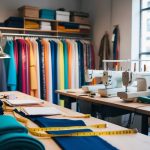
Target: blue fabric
[71, 143]
[65, 64]
[3, 84]
[47, 14]
[10, 66]
[81, 64]
[115, 32]
[53, 46]
[40, 66]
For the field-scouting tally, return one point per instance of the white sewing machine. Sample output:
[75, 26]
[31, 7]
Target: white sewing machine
[111, 82]
[141, 83]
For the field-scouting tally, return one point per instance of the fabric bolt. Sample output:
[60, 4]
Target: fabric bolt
[3, 84]
[41, 63]
[65, 64]
[45, 45]
[69, 64]
[10, 66]
[54, 46]
[33, 70]
[16, 54]
[19, 76]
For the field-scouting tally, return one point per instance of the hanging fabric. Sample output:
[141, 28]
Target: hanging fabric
[116, 45]
[104, 50]
[42, 66]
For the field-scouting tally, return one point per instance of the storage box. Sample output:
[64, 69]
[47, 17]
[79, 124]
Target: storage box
[63, 16]
[29, 11]
[78, 19]
[47, 14]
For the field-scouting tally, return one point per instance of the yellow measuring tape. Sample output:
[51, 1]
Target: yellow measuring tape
[40, 132]
[101, 133]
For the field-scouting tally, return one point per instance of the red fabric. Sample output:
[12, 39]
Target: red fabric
[16, 54]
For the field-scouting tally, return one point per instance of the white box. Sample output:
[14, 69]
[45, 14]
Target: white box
[63, 16]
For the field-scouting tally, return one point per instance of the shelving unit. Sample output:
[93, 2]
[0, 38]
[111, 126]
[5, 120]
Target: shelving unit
[55, 31]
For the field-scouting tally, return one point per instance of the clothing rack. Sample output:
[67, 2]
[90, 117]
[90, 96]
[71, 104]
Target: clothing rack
[45, 36]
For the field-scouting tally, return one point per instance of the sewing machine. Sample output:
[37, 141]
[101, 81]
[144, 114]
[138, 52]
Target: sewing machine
[111, 82]
[141, 83]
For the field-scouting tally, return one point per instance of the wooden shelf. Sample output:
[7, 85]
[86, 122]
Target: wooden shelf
[55, 21]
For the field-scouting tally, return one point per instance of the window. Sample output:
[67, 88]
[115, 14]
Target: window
[145, 34]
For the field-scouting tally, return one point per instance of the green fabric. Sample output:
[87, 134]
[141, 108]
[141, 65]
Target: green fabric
[19, 141]
[65, 64]
[144, 99]
[9, 124]
[14, 136]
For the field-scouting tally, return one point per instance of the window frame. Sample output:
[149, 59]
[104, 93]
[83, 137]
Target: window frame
[140, 38]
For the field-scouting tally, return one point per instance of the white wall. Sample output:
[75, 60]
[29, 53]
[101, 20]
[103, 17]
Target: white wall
[122, 16]
[105, 14]
[9, 7]
[100, 11]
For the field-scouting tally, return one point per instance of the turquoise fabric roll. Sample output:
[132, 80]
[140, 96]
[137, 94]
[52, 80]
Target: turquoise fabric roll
[9, 124]
[14, 136]
[19, 141]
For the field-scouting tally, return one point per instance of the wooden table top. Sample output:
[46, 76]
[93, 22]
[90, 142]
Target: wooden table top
[122, 142]
[113, 101]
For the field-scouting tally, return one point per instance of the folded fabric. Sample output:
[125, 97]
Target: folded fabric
[19, 141]
[15, 22]
[31, 25]
[8, 124]
[43, 23]
[71, 143]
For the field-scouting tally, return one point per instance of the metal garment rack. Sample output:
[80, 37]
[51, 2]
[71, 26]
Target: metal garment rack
[45, 36]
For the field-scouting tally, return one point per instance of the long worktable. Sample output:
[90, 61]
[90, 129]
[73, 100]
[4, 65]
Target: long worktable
[123, 142]
[142, 109]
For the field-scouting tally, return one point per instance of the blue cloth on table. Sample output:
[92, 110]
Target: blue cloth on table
[71, 143]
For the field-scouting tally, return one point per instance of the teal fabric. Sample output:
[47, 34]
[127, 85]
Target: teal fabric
[9, 124]
[65, 64]
[19, 141]
[10, 67]
[13, 136]
[144, 99]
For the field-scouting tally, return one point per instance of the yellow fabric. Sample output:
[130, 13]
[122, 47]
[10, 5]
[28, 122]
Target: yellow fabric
[61, 66]
[33, 70]
[31, 25]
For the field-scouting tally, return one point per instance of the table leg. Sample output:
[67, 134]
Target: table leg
[144, 128]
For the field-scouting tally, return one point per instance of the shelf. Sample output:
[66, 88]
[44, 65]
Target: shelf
[79, 33]
[55, 21]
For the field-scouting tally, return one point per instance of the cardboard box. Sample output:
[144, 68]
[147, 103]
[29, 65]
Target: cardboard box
[29, 11]
[81, 20]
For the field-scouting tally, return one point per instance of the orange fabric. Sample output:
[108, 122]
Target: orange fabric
[46, 64]
[33, 70]
[69, 64]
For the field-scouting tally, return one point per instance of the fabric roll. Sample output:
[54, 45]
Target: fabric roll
[53, 46]
[20, 141]
[10, 66]
[10, 125]
[69, 64]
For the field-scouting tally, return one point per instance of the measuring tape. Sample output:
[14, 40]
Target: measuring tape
[86, 134]
[38, 131]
